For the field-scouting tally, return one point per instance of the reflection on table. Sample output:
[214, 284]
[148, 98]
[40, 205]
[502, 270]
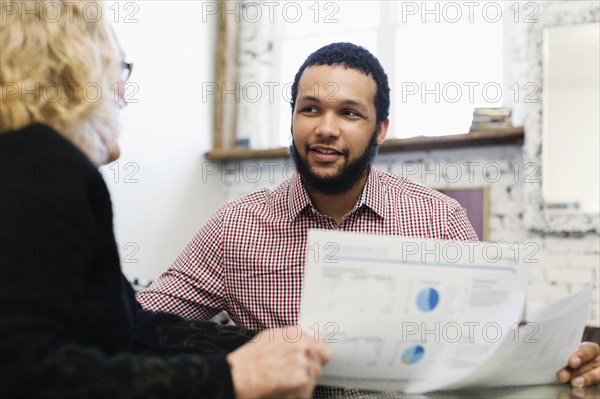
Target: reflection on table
[555, 391]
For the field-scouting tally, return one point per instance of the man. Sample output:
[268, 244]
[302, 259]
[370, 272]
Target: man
[249, 258]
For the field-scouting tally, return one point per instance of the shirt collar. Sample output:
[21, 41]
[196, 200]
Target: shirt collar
[298, 197]
[372, 196]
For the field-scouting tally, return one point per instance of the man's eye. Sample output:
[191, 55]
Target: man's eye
[349, 112]
[309, 109]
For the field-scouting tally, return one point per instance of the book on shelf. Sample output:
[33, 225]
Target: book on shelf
[488, 118]
[491, 125]
[500, 111]
[491, 118]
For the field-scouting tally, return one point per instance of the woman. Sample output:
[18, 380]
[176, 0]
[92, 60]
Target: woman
[69, 323]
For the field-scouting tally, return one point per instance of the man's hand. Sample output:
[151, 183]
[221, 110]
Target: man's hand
[278, 363]
[583, 367]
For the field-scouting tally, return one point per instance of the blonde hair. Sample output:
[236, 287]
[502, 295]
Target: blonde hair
[60, 65]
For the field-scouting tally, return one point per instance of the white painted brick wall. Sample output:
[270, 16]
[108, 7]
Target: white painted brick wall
[570, 275]
[564, 263]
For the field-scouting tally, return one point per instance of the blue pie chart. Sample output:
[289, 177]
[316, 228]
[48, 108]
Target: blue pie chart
[413, 354]
[428, 299]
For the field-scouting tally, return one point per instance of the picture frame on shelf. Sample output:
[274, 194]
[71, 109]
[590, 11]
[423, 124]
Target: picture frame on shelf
[475, 202]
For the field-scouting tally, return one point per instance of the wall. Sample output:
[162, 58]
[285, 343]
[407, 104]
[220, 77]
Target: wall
[160, 198]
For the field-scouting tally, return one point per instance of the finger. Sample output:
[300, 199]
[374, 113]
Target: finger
[306, 393]
[586, 352]
[314, 371]
[317, 347]
[587, 367]
[314, 365]
[568, 373]
[592, 377]
[563, 375]
[322, 352]
[318, 352]
[325, 353]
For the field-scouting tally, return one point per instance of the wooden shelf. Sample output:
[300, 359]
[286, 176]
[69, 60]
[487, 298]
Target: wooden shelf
[471, 139]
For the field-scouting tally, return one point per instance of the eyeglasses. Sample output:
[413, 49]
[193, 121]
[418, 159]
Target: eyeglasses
[127, 67]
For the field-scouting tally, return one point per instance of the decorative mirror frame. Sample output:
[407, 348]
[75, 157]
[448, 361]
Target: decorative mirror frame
[536, 218]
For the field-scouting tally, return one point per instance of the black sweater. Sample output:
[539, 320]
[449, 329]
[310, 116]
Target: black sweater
[69, 323]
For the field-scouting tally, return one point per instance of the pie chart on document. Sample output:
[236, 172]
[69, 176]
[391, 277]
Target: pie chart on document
[427, 299]
[413, 354]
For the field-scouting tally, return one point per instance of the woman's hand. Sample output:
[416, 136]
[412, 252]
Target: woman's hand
[278, 363]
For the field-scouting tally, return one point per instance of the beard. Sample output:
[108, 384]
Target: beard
[345, 179]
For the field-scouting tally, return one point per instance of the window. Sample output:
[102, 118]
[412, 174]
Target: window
[442, 58]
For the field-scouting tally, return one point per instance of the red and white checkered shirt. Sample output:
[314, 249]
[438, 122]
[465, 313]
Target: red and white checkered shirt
[249, 258]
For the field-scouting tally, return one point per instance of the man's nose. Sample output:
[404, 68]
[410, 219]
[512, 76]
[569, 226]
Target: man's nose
[328, 126]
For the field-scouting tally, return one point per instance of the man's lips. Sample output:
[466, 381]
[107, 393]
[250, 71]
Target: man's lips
[325, 154]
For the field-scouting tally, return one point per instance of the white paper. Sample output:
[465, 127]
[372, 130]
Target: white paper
[537, 350]
[409, 314]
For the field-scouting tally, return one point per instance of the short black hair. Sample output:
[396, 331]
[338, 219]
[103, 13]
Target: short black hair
[351, 56]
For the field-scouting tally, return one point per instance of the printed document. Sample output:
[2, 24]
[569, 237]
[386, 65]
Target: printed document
[413, 315]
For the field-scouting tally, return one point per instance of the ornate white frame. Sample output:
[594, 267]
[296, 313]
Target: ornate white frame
[553, 14]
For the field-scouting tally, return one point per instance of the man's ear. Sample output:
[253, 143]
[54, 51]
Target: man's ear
[382, 130]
